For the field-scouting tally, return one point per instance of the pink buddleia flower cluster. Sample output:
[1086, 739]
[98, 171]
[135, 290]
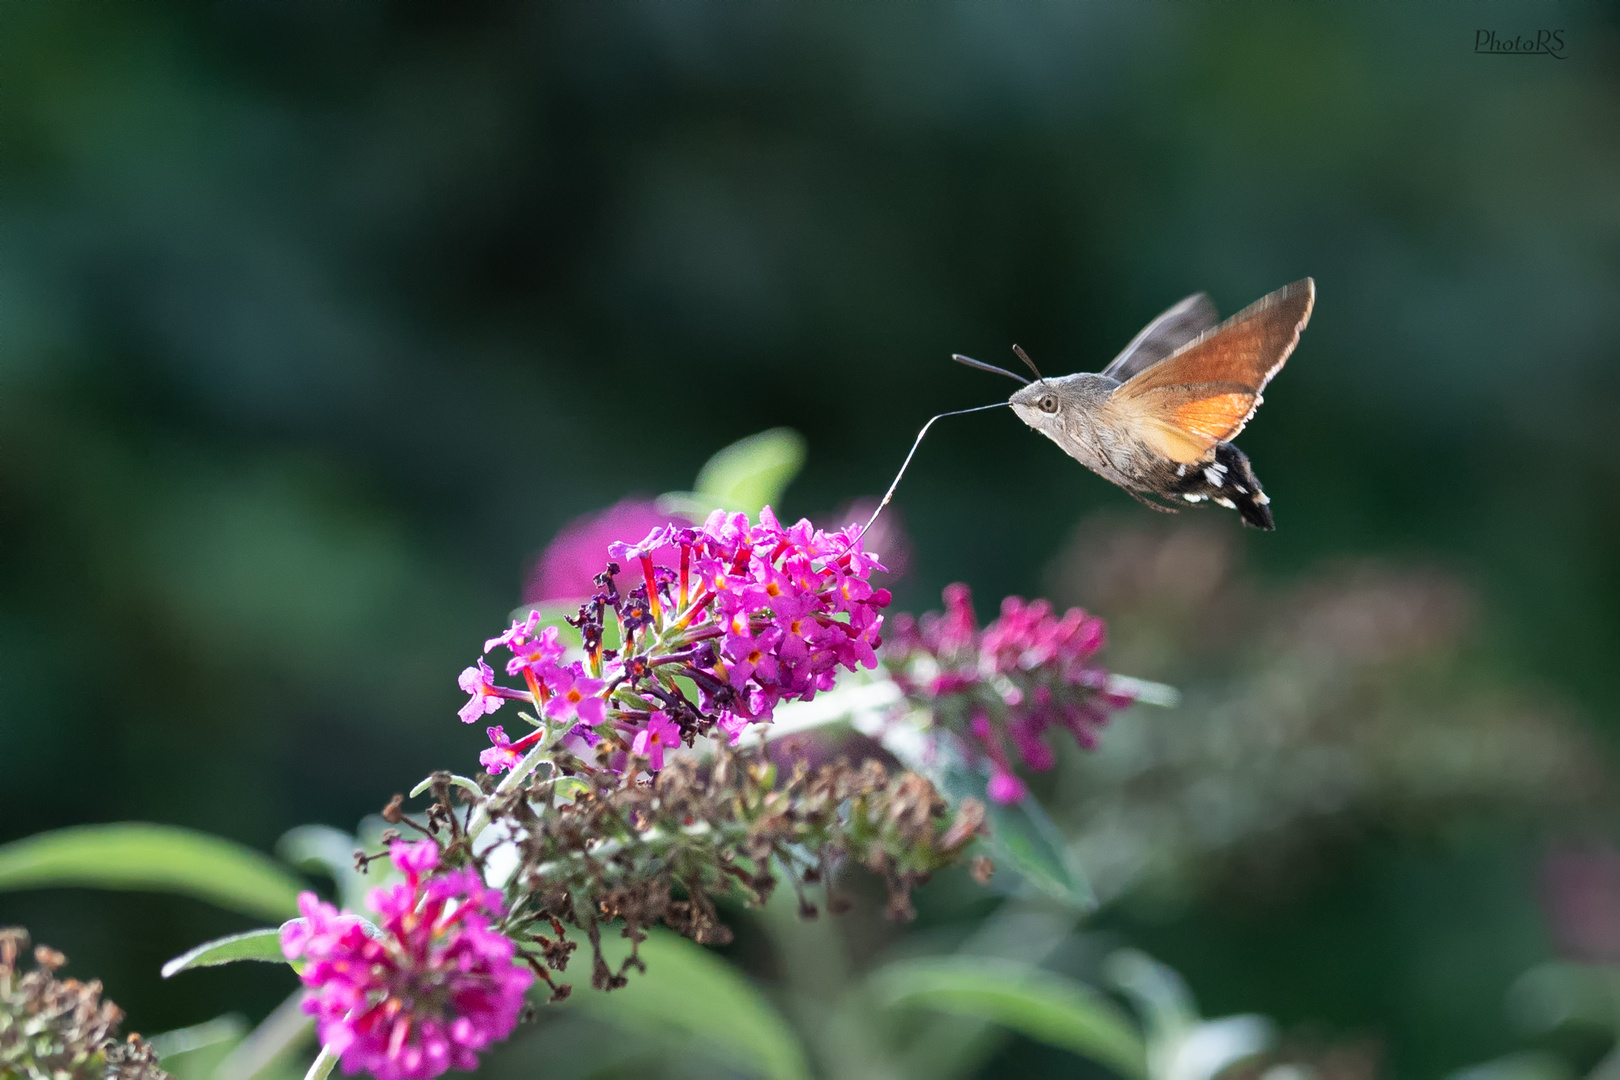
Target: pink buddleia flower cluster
[746, 615]
[1024, 674]
[435, 988]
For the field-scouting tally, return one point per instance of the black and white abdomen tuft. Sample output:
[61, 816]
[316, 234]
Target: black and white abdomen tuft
[1229, 481]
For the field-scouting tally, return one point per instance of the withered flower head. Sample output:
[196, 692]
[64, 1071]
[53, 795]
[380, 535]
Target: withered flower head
[61, 1029]
[664, 850]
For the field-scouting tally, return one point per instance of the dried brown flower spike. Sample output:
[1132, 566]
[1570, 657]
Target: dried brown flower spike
[61, 1029]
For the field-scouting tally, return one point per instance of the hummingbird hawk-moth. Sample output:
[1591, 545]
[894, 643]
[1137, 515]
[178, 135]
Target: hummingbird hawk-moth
[1160, 419]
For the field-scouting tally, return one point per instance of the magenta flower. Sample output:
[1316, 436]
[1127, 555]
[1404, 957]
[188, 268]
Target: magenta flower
[661, 537]
[500, 756]
[414, 859]
[539, 655]
[519, 632]
[749, 655]
[651, 741]
[1025, 673]
[1006, 788]
[574, 696]
[486, 697]
[429, 991]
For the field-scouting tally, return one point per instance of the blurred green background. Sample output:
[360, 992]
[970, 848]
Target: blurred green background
[318, 320]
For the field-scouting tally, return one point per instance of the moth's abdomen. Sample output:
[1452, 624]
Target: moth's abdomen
[1230, 481]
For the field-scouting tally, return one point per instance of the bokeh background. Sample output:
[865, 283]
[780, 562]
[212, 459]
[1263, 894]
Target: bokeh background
[317, 321]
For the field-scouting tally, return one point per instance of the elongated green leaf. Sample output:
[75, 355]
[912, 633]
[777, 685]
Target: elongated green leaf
[1024, 839]
[264, 945]
[193, 1053]
[1023, 836]
[1525, 1065]
[323, 849]
[270, 1050]
[152, 858]
[1039, 1004]
[1558, 992]
[1160, 995]
[749, 474]
[689, 992]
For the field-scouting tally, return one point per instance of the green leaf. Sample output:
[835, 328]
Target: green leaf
[689, 992]
[747, 475]
[271, 1050]
[262, 945]
[1525, 1065]
[1024, 839]
[1041, 1005]
[323, 849]
[1179, 1043]
[152, 858]
[1558, 992]
[569, 787]
[1160, 995]
[456, 780]
[193, 1053]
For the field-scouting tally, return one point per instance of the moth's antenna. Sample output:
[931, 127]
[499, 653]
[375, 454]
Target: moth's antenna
[982, 366]
[887, 495]
[1024, 356]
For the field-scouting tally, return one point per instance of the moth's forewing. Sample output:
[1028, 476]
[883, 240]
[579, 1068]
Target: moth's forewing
[1205, 392]
[1178, 325]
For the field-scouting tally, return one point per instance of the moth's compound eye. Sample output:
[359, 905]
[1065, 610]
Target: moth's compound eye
[1048, 404]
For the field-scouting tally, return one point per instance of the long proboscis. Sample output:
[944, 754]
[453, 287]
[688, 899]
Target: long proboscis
[982, 366]
[887, 495]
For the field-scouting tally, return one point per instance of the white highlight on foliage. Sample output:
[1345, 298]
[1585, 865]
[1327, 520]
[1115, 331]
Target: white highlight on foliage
[501, 855]
[1148, 693]
[1181, 1045]
[1208, 1049]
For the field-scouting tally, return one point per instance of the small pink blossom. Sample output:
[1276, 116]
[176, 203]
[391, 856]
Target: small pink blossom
[486, 697]
[540, 654]
[519, 632]
[651, 740]
[414, 858]
[660, 537]
[574, 696]
[500, 756]
[1006, 788]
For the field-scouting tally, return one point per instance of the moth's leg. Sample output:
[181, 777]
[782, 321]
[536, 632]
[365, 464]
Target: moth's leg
[1151, 505]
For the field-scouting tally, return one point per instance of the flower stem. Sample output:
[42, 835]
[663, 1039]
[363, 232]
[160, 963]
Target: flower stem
[322, 1066]
[480, 818]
